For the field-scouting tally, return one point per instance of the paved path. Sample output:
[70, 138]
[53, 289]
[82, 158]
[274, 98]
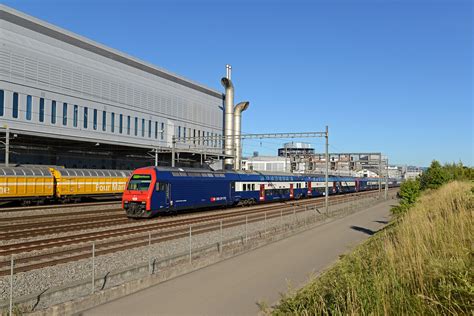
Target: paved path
[233, 286]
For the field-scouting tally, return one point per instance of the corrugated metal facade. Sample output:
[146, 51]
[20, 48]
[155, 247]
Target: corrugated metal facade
[58, 84]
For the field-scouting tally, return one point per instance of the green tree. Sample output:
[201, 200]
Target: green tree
[409, 193]
[435, 176]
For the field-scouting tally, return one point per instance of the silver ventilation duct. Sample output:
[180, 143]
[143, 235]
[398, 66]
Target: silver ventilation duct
[239, 108]
[228, 118]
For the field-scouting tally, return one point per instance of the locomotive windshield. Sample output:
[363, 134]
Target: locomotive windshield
[139, 182]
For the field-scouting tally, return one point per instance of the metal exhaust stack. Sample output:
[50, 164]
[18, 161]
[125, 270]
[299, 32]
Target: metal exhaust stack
[228, 117]
[239, 108]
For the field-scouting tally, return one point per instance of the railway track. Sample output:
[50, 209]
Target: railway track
[56, 250]
[55, 206]
[48, 224]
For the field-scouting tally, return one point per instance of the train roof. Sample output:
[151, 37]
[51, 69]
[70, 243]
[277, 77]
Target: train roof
[239, 175]
[25, 171]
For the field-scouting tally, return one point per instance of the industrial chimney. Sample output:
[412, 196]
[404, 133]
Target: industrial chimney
[228, 118]
[239, 108]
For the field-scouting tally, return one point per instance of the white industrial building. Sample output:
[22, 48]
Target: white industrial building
[69, 99]
[266, 163]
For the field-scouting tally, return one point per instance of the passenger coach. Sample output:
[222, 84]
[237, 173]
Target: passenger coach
[152, 190]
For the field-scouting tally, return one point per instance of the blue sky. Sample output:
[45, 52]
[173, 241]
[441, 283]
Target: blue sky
[391, 76]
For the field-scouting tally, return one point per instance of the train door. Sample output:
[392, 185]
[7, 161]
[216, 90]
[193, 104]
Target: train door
[309, 189]
[168, 195]
[291, 191]
[262, 192]
[232, 192]
[357, 185]
[161, 198]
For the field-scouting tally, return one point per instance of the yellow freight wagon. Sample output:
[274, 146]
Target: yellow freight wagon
[77, 183]
[26, 184]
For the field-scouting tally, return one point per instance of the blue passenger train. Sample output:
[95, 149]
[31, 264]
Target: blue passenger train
[151, 190]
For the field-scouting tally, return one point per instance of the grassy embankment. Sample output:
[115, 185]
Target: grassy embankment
[421, 264]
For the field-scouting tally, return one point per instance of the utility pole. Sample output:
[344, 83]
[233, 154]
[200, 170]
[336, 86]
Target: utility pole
[156, 157]
[7, 147]
[173, 149]
[386, 181]
[327, 170]
[380, 175]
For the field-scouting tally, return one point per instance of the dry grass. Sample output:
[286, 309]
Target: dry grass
[421, 264]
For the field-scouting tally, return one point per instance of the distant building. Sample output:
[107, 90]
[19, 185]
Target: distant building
[295, 149]
[412, 173]
[364, 173]
[394, 172]
[266, 163]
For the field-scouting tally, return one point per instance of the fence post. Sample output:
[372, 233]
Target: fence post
[93, 267]
[150, 268]
[190, 244]
[12, 262]
[220, 242]
[281, 219]
[246, 231]
[265, 222]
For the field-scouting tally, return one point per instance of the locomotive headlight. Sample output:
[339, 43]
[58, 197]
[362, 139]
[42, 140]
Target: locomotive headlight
[143, 202]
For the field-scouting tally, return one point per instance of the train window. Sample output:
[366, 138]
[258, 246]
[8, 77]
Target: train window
[53, 112]
[112, 122]
[95, 120]
[120, 123]
[104, 121]
[74, 116]
[41, 110]
[64, 113]
[244, 187]
[29, 105]
[160, 186]
[2, 102]
[85, 116]
[15, 105]
[253, 186]
[139, 182]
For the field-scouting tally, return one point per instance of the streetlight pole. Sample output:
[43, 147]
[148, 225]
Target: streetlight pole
[173, 149]
[327, 170]
[380, 175]
[7, 147]
[386, 181]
